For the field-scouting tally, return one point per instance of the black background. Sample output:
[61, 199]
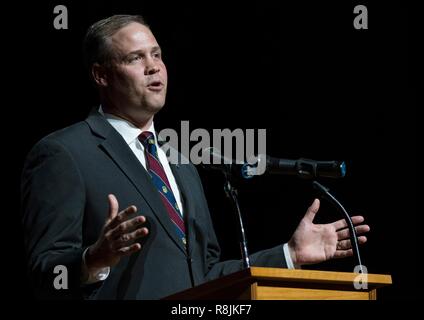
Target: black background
[322, 89]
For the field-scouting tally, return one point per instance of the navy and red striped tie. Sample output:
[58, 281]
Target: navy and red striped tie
[159, 179]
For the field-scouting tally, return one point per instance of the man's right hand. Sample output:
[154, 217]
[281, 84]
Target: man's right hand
[117, 237]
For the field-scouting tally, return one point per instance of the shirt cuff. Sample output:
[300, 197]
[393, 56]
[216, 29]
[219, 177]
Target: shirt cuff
[287, 256]
[94, 275]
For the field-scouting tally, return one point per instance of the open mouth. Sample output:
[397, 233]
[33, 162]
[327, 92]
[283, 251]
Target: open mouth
[155, 86]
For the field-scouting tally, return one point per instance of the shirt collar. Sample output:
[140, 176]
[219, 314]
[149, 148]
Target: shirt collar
[125, 128]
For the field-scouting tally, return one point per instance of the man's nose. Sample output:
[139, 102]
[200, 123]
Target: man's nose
[151, 67]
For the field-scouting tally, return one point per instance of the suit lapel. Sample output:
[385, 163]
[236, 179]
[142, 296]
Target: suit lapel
[117, 149]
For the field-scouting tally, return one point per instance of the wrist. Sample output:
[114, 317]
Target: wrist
[90, 271]
[91, 259]
[292, 252]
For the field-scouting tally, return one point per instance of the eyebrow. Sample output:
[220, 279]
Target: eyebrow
[153, 49]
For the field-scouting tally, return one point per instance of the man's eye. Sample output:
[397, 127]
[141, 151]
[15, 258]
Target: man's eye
[135, 58]
[157, 55]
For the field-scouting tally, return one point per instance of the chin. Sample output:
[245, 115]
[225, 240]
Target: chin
[155, 106]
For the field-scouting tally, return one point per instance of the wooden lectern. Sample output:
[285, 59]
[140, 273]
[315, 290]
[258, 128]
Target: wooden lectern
[286, 284]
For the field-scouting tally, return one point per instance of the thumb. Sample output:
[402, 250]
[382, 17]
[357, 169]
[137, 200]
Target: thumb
[113, 207]
[312, 210]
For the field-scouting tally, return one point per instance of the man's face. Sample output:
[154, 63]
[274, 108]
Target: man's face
[137, 79]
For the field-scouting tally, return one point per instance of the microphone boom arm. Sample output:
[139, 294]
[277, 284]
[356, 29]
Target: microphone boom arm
[231, 193]
[352, 233]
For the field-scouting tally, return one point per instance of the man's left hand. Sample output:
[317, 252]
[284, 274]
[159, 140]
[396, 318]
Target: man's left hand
[314, 243]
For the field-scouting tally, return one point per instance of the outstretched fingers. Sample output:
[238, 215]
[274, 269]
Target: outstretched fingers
[346, 244]
[344, 247]
[128, 238]
[121, 217]
[126, 251]
[312, 210]
[341, 224]
[343, 254]
[113, 207]
[345, 234]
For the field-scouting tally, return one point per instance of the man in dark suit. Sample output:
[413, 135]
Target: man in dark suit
[163, 240]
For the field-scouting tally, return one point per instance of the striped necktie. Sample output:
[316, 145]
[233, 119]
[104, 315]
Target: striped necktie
[159, 179]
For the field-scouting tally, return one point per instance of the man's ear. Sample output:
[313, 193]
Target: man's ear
[99, 74]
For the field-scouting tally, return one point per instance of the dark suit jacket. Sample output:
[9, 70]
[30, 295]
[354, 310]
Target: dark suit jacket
[65, 183]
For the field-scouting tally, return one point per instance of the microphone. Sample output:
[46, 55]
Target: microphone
[216, 161]
[303, 168]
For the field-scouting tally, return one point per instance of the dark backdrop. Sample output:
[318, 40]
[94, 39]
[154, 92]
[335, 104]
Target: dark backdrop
[322, 89]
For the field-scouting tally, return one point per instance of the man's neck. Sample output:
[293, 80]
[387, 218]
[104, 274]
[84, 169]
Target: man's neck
[140, 122]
